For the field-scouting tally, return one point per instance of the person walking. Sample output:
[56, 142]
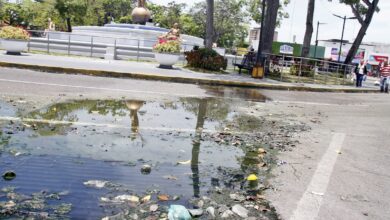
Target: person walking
[360, 71]
[385, 77]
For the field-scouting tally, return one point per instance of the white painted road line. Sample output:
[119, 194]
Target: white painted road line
[318, 103]
[311, 201]
[114, 126]
[90, 87]
[118, 90]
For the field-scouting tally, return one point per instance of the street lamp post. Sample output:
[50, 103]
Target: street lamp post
[258, 69]
[342, 33]
[315, 48]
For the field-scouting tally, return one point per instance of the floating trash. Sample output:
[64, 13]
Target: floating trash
[9, 175]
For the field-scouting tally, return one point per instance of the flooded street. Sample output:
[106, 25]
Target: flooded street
[90, 156]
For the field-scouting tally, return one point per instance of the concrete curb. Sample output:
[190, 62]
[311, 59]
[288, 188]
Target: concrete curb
[145, 76]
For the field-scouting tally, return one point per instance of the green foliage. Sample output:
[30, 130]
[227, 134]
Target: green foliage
[306, 70]
[359, 8]
[229, 21]
[188, 26]
[74, 9]
[254, 6]
[14, 33]
[14, 14]
[166, 16]
[207, 59]
[125, 19]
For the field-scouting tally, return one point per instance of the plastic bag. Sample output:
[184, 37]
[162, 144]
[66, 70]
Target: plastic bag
[178, 212]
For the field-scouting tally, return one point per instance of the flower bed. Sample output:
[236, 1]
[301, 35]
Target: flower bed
[167, 45]
[14, 39]
[167, 51]
[14, 33]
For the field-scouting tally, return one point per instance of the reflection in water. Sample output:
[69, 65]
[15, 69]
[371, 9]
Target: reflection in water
[134, 106]
[99, 131]
[72, 112]
[3, 140]
[236, 93]
[196, 146]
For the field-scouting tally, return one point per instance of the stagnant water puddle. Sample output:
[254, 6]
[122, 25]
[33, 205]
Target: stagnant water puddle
[131, 159]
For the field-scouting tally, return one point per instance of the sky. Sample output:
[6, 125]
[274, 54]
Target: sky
[379, 30]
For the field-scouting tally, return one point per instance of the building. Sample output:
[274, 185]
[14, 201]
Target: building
[374, 53]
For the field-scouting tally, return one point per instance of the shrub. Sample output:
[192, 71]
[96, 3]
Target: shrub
[14, 33]
[207, 59]
[167, 45]
[306, 70]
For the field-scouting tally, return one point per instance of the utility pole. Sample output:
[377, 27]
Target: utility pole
[315, 48]
[342, 33]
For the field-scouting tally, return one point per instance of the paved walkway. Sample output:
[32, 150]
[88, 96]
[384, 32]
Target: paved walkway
[150, 71]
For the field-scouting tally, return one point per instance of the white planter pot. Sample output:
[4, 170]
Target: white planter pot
[167, 60]
[14, 46]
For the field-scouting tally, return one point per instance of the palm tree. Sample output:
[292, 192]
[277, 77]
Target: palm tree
[209, 24]
[309, 28]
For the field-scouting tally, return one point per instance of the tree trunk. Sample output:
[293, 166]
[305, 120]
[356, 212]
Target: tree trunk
[68, 24]
[209, 24]
[270, 25]
[309, 29]
[362, 32]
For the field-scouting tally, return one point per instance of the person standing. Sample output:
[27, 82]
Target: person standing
[385, 77]
[360, 71]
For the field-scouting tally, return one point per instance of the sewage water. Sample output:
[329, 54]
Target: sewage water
[56, 150]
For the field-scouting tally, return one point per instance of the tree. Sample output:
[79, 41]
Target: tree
[270, 22]
[364, 11]
[166, 16]
[230, 21]
[274, 14]
[309, 28]
[30, 14]
[11, 14]
[1, 11]
[189, 26]
[71, 10]
[116, 9]
[254, 9]
[209, 24]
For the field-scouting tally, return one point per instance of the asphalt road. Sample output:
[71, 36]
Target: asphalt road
[339, 169]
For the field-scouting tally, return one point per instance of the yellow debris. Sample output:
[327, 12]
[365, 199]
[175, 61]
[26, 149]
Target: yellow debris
[252, 177]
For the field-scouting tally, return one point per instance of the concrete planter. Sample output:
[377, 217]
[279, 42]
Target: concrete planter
[14, 46]
[166, 60]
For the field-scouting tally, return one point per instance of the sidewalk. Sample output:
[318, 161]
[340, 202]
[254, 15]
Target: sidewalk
[150, 71]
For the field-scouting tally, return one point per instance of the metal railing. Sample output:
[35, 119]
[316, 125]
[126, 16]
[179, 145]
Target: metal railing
[95, 46]
[287, 68]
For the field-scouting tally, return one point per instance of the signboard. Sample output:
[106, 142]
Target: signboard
[377, 59]
[335, 55]
[359, 56]
[286, 49]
